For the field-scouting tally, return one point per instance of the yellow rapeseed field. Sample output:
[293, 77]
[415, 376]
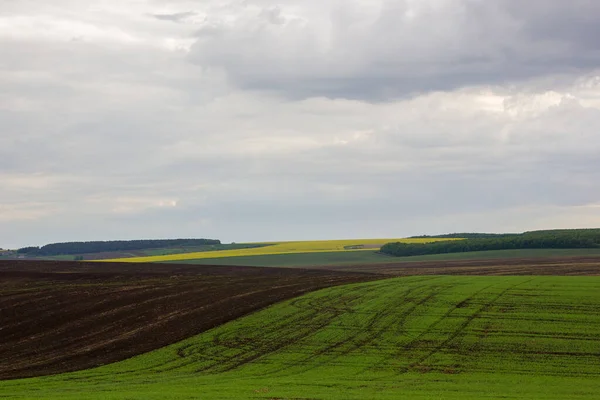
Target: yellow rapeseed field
[314, 246]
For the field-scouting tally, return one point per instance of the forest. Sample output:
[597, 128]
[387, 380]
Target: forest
[465, 235]
[547, 239]
[56, 249]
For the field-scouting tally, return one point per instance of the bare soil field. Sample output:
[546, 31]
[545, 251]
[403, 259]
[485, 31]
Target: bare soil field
[565, 266]
[59, 316]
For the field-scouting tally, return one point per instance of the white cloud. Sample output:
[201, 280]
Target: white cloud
[24, 211]
[54, 29]
[128, 204]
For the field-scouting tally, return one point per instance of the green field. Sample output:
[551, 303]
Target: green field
[503, 254]
[372, 257]
[280, 248]
[297, 259]
[162, 251]
[433, 337]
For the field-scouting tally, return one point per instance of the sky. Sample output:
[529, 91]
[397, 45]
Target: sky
[257, 120]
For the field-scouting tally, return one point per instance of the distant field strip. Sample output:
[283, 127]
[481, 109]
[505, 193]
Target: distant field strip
[317, 246]
[373, 261]
[426, 337]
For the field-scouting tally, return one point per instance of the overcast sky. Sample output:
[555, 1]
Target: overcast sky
[251, 120]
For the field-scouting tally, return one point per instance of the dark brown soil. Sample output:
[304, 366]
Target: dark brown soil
[58, 316]
[512, 266]
[65, 316]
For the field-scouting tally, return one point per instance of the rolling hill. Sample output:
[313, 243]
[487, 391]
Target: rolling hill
[423, 337]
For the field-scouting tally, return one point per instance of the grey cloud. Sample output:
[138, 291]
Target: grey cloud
[574, 22]
[129, 140]
[175, 17]
[395, 53]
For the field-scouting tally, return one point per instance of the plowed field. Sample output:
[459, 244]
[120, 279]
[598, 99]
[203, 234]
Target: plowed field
[65, 316]
[419, 337]
[561, 266]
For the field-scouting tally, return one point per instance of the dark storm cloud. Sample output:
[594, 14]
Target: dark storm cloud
[403, 48]
[574, 22]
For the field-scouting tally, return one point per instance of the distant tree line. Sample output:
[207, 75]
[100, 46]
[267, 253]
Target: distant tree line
[549, 239]
[28, 250]
[56, 249]
[467, 235]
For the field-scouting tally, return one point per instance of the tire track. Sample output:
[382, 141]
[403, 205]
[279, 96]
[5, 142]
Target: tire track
[353, 342]
[411, 344]
[463, 326]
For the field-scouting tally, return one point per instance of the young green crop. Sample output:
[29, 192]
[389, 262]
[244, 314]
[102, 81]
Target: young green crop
[426, 337]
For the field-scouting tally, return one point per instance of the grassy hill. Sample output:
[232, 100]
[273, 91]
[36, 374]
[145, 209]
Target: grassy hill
[548, 239]
[151, 252]
[442, 337]
[298, 247]
[297, 259]
[453, 246]
[374, 258]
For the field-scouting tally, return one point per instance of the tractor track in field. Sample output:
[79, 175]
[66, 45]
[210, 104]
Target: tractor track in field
[315, 317]
[412, 343]
[59, 316]
[354, 339]
[463, 325]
